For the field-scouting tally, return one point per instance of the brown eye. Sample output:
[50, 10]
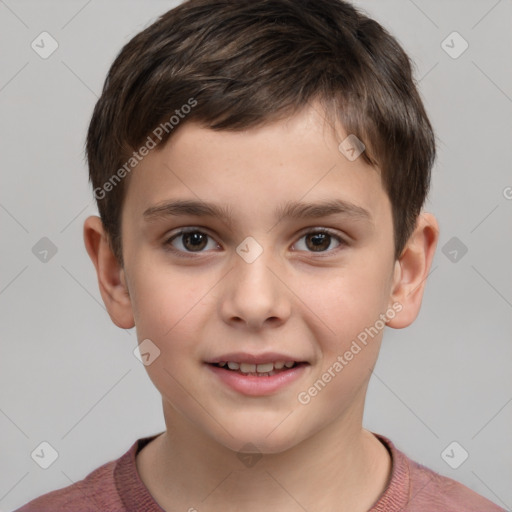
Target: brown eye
[320, 240]
[189, 241]
[195, 241]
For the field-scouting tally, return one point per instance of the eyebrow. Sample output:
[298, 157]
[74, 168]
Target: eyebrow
[289, 210]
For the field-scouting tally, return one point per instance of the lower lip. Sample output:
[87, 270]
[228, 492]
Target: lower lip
[257, 386]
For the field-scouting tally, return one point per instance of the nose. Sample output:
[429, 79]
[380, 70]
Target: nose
[255, 294]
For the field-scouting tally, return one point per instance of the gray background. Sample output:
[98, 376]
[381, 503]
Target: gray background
[67, 373]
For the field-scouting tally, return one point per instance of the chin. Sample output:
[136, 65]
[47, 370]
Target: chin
[259, 436]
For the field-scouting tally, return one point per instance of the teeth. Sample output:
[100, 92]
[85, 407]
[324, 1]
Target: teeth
[264, 368]
[247, 368]
[250, 368]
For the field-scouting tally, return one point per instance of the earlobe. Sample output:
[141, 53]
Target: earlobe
[111, 276]
[412, 269]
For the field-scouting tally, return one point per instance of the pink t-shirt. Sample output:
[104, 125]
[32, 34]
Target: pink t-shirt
[116, 487]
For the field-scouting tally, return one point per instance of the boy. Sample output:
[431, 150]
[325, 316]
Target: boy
[260, 169]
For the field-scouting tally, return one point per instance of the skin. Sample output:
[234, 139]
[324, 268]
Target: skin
[291, 299]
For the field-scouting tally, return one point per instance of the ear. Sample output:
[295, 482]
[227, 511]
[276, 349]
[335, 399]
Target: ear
[411, 270]
[111, 276]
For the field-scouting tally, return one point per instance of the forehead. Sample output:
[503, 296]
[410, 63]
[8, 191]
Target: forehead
[282, 169]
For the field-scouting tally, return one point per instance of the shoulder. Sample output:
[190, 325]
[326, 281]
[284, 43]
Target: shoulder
[444, 493]
[97, 491]
[420, 489]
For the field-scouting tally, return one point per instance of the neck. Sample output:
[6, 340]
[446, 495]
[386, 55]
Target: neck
[343, 467]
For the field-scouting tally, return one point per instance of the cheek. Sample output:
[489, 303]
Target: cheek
[166, 305]
[349, 336]
[165, 300]
[161, 317]
[171, 308]
[346, 299]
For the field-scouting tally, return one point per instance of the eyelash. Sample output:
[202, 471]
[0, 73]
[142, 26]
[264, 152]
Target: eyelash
[190, 254]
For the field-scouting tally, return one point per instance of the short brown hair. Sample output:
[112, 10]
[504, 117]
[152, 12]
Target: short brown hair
[243, 63]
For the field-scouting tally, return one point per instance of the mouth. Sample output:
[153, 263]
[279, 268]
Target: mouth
[255, 375]
[268, 369]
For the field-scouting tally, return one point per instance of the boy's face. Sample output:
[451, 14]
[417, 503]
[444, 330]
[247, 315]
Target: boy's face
[211, 296]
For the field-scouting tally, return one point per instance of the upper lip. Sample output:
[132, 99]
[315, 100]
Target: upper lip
[244, 357]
